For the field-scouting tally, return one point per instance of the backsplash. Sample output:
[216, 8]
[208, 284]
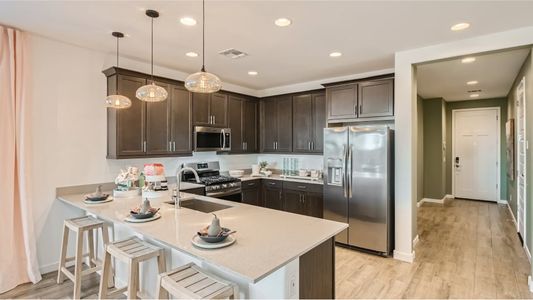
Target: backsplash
[275, 161]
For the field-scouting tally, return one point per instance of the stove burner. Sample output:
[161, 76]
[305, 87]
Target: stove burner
[218, 179]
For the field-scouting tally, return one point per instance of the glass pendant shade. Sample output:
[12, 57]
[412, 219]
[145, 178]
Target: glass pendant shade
[117, 101]
[151, 93]
[203, 82]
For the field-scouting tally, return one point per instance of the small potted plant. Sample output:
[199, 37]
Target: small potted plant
[263, 166]
[126, 183]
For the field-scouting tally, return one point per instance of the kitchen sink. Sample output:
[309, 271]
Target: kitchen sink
[202, 205]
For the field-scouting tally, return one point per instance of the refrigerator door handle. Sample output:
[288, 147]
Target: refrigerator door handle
[349, 175]
[343, 175]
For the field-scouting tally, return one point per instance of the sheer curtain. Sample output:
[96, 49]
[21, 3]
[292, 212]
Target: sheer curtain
[18, 259]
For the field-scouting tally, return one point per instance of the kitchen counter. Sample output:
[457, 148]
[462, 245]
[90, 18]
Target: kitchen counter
[266, 239]
[247, 177]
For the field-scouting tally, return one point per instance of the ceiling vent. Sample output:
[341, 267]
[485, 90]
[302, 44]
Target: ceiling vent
[233, 53]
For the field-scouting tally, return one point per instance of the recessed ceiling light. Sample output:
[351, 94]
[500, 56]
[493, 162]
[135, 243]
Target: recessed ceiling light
[335, 54]
[460, 26]
[188, 21]
[191, 54]
[472, 82]
[468, 60]
[252, 73]
[283, 22]
[474, 95]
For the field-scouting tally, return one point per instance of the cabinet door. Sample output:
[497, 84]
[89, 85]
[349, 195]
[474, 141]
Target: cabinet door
[293, 201]
[157, 125]
[376, 98]
[235, 122]
[131, 121]
[319, 122]
[201, 114]
[219, 109]
[269, 125]
[251, 192]
[284, 112]
[250, 126]
[313, 204]
[180, 120]
[302, 134]
[342, 102]
[272, 198]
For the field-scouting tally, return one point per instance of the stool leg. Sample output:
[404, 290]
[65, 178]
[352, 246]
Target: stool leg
[90, 245]
[161, 293]
[235, 292]
[105, 241]
[106, 270]
[78, 266]
[132, 280]
[63, 255]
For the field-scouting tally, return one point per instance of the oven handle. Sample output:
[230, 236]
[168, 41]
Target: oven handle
[225, 193]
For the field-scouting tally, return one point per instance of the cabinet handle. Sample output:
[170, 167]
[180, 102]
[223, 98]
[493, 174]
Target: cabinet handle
[174, 146]
[169, 146]
[312, 145]
[214, 120]
[302, 187]
[144, 146]
[309, 145]
[355, 109]
[271, 183]
[361, 109]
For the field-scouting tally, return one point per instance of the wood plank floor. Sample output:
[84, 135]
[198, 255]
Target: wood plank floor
[466, 249]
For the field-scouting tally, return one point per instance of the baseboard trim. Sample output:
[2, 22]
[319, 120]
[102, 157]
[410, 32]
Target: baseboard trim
[528, 254]
[512, 215]
[415, 241]
[48, 268]
[503, 201]
[403, 256]
[530, 283]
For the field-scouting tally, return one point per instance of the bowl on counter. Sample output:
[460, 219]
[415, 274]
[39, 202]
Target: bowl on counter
[236, 173]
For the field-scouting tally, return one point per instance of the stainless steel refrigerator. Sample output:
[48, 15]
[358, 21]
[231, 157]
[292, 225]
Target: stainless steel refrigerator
[358, 185]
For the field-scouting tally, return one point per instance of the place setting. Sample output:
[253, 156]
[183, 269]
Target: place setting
[143, 213]
[98, 197]
[214, 236]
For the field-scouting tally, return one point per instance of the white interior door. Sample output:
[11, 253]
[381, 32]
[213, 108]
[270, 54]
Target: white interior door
[521, 147]
[476, 154]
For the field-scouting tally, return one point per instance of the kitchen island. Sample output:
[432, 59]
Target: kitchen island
[277, 254]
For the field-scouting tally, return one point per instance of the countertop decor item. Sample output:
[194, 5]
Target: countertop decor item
[97, 195]
[203, 81]
[221, 236]
[152, 92]
[91, 202]
[132, 219]
[198, 242]
[236, 173]
[125, 182]
[117, 101]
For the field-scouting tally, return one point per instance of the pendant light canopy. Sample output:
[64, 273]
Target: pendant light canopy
[203, 82]
[117, 101]
[152, 92]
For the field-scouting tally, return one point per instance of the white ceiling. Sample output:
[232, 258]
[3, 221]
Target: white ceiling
[495, 73]
[368, 33]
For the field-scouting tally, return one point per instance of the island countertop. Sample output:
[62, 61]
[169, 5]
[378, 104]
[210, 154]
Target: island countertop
[267, 239]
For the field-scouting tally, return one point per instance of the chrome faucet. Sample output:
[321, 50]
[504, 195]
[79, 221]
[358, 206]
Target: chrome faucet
[176, 192]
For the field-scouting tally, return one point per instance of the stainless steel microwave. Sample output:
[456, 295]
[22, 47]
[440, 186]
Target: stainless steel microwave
[212, 139]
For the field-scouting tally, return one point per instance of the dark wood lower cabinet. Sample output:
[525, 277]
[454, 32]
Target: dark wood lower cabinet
[272, 194]
[251, 192]
[317, 272]
[196, 191]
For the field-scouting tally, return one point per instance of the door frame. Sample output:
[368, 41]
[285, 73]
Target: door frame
[498, 175]
[521, 86]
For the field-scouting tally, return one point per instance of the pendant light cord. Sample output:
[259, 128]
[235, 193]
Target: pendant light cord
[152, 52]
[203, 35]
[117, 50]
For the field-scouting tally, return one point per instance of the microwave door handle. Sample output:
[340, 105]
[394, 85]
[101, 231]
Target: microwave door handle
[223, 146]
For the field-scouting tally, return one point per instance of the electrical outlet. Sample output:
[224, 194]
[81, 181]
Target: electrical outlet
[292, 286]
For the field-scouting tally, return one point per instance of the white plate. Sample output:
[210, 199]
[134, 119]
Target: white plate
[109, 199]
[198, 242]
[131, 219]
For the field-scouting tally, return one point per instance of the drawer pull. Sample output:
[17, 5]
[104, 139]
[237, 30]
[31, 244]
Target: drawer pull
[302, 187]
[251, 183]
[272, 183]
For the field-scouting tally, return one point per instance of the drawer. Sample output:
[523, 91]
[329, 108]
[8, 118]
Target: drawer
[272, 183]
[300, 186]
[250, 184]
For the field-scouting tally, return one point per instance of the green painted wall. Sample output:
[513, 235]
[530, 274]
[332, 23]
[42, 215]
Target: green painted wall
[434, 134]
[498, 102]
[527, 72]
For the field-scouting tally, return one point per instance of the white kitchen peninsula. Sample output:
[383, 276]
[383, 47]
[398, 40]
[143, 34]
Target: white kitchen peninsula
[277, 254]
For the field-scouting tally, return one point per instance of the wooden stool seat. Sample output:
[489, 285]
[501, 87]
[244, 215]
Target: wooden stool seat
[131, 251]
[80, 226]
[191, 282]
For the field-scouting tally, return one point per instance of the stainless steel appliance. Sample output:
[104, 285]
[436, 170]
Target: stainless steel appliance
[216, 185]
[358, 185]
[212, 139]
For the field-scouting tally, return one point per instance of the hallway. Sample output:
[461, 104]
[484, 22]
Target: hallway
[466, 249]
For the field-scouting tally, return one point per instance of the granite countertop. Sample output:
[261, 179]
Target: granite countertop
[267, 239]
[247, 177]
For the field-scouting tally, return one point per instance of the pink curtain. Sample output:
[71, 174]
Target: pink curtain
[18, 259]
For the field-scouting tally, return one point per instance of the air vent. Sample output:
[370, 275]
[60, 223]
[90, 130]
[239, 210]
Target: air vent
[474, 91]
[233, 53]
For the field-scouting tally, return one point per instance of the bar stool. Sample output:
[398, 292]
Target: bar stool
[191, 282]
[132, 251]
[80, 226]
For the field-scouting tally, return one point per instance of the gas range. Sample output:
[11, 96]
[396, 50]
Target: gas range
[216, 185]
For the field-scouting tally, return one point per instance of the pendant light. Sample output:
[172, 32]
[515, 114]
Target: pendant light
[117, 101]
[203, 82]
[152, 92]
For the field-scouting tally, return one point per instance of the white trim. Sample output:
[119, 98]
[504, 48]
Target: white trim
[415, 241]
[448, 196]
[519, 217]
[499, 123]
[512, 215]
[48, 268]
[526, 249]
[431, 200]
[407, 257]
[503, 201]
[530, 283]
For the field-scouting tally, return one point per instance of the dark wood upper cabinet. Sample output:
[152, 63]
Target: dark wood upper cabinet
[319, 122]
[376, 98]
[157, 125]
[276, 124]
[242, 119]
[284, 142]
[342, 102]
[210, 109]
[249, 126]
[309, 121]
[180, 102]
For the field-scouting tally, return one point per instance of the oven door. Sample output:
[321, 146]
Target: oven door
[230, 195]
[212, 139]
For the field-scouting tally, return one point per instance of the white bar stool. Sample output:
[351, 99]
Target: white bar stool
[80, 226]
[191, 282]
[132, 251]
